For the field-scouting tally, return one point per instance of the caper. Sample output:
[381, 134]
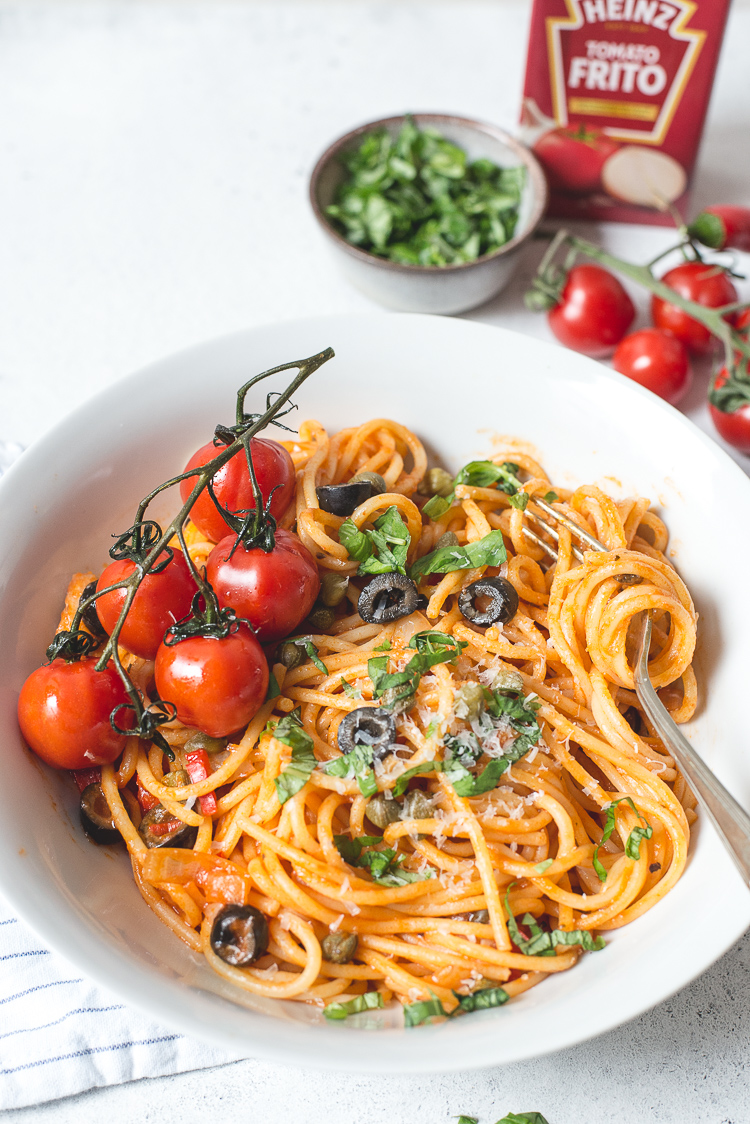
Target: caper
[322, 617]
[470, 697]
[239, 935]
[507, 679]
[291, 655]
[417, 806]
[450, 538]
[176, 779]
[629, 579]
[502, 597]
[374, 479]
[479, 917]
[436, 482]
[333, 588]
[339, 948]
[383, 809]
[204, 741]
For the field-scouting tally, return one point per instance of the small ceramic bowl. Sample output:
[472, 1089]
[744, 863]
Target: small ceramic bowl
[431, 288]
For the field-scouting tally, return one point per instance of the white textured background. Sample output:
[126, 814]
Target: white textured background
[153, 165]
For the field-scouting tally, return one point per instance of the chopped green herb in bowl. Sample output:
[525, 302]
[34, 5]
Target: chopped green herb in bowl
[417, 199]
[428, 212]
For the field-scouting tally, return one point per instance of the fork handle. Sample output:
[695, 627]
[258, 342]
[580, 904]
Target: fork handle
[728, 817]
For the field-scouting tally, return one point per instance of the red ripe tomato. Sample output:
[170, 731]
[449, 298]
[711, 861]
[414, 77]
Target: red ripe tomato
[708, 285]
[657, 361]
[217, 685]
[573, 158]
[274, 590]
[594, 312]
[63, 712]
[734, 427]
[234, 488]
[162, 599]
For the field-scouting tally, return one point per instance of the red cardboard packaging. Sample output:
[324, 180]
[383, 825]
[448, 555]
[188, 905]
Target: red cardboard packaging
[615, 98]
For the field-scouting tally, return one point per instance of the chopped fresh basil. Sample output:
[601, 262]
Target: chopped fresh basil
[384, 647]
[521, 711]
[351, 691]
[633, 844]
[417, 199]
[425, 767]
[436, 507]
[384, 866]
[523, 1118]
[274, 690]
[298, 772]
[369, 1001]
[417, 1013]
[542, 868]
[489, 551]
[542, 943]
[312, 654]
[382, 550]
[519, 500]
[356, 764]
[551, 497]
[467, 1119]
[481, 1000]
[431, 648]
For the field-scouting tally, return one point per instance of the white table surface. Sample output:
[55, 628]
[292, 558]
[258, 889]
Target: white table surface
[153, 165]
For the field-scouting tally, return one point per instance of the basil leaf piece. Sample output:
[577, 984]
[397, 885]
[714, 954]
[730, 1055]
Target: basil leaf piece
[384, 866]
[467, 1119]
[357, 764]
[432, 648]
[551, 497]
[417, 1013]
[633, 844]
[519, 500]
[312, 654]
[543, 867]
[467, 785]
[298, 772]
[483, 474]
[543, 943]
[481, 1000]
[350, 690]
[382, 550]
[274, 690]
[523, 1118]
[356, 542]
[489, 551]
[437, 506]
[368, 1001]
[384, 647]
[416, 770]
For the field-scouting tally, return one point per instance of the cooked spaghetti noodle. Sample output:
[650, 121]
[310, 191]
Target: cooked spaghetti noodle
[583, 832]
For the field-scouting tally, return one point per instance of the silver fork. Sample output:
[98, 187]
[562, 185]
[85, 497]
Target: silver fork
[730, 820]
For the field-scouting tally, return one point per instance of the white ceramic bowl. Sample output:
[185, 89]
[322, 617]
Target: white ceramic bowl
[456, 383]
[429, 288]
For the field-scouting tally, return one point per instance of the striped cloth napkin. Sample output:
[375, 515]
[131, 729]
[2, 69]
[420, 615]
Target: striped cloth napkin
[60, 1034]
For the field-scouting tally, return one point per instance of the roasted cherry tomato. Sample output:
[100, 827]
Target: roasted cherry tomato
[217, 685]
[708, 285]
[234, 488]
[657, 361]
[63, 712]
[594, 311]
[573, 157]
[734, 427]
[274, 590]
[162, 599]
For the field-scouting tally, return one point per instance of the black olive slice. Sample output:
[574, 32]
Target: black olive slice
[342, 499]
[239, 935]
[388, 597]
[96, 818]
[178, 834]
[369, 725]
[503, 601]
[89, 616]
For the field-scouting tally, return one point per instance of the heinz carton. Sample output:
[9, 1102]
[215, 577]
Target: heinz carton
[615, 98]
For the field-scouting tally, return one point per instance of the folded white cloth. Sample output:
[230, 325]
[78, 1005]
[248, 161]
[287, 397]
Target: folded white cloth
[60, 1034]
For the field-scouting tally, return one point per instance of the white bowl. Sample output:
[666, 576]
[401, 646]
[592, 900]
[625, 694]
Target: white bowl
[456, 383]
[430, 288]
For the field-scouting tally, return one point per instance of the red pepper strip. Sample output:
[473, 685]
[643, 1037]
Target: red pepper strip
[85, 777]
[198, 768]
[164, 828]
[145, 799]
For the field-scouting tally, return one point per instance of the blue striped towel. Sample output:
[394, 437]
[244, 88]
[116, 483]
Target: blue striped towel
[60, 1034]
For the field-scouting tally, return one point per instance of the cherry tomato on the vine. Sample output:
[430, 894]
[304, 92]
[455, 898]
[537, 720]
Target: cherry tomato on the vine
[657, 361]
[63, 712]
[594, 311]
[162, 599]
[274, 590]
[697, 281]
[734, 427]
[573, 157]
[216, 684]
[274, 468]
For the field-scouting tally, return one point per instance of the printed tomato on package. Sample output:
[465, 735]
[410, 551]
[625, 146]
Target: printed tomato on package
[615, 98]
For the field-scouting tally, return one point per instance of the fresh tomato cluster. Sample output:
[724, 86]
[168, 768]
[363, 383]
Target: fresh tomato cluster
[590, 311]
[75, 717]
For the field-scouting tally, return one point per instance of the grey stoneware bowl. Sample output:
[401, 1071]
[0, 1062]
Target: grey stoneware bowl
[429, 288]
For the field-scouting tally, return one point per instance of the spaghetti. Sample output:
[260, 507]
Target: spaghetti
[540, 808]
